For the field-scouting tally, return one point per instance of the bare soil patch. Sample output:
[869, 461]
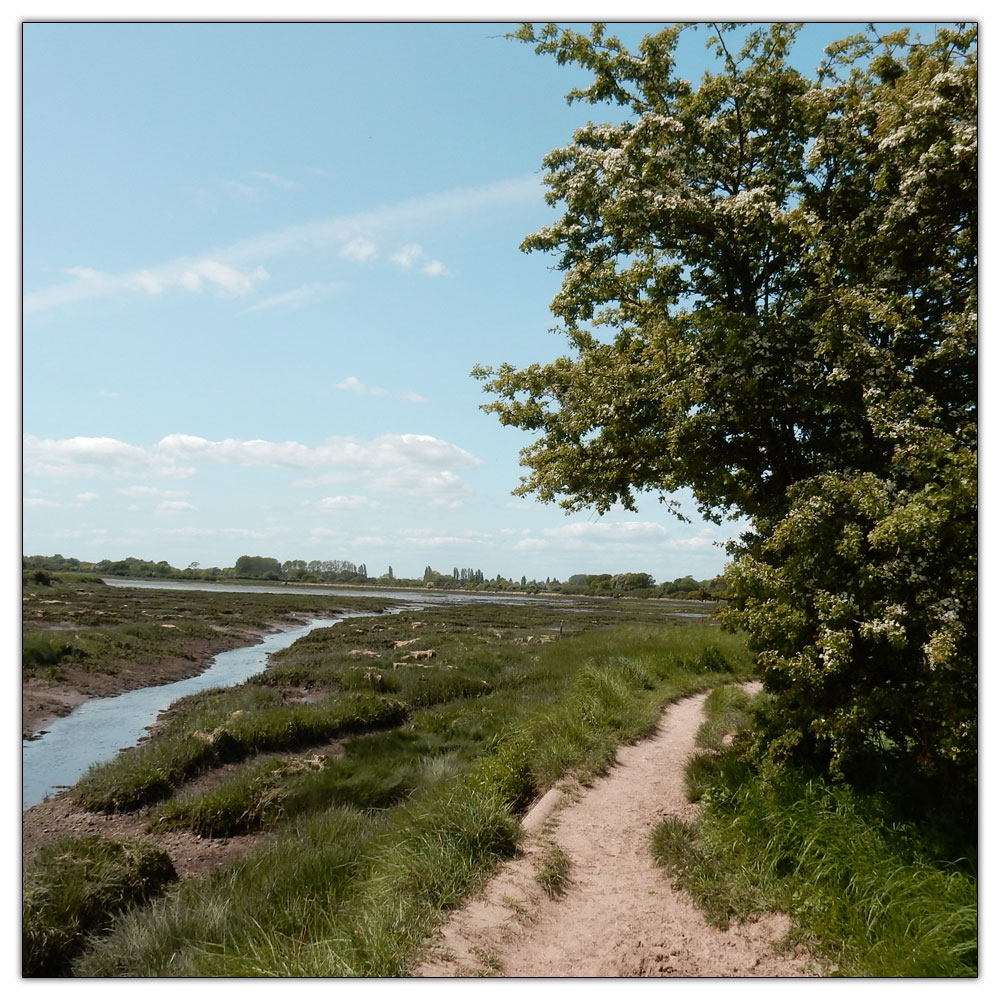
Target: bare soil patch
[191, 854]
[618, 915]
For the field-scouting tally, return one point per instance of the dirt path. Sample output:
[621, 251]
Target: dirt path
[619, 915]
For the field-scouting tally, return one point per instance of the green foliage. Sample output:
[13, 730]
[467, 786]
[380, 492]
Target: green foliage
[553, 870]
[76, 887]
[788, 270]
[264, 567]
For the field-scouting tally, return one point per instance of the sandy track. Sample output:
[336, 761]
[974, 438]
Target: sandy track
[619, 915]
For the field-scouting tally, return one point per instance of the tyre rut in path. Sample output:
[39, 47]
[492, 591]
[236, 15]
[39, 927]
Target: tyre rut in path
[618, 915]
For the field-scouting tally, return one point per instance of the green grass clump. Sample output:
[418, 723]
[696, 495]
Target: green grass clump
[866, 892]
[727, 712]
[149, 772]
[76, 887]
[43, 652]
[553, 870]
[275, 898]
[264, 792]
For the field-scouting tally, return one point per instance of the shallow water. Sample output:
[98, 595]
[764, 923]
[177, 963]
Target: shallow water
[96, 730]
[423, 597]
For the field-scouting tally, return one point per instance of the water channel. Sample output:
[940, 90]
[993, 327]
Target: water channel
[422, 597]
[96, 730]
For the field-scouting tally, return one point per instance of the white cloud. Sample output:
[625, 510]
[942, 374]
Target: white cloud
[409, 464]
[351, 502]
[174, 507]
[360, 249]
[434, 269]
[355, 385]
[193, 532]
[96, 456]
[86, 497]
[412, 257]
[150, 491]
[442, 486]
[385, 451]
[408, 256]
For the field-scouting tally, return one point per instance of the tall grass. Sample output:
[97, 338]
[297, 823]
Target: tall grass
[865, 891]
[77, 886]
[148, 772]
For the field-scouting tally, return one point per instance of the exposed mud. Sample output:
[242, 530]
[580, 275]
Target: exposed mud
[191, 854]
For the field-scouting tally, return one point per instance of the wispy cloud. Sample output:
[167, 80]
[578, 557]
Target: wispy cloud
[78, 501]
[625, 536]
[150, 491]
[237, 268]
[354, 385]
[190, 275]
[297, 297]
[240, 191]
[275, 180]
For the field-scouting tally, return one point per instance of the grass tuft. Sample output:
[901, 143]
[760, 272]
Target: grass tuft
[77, 886]
[553, 871]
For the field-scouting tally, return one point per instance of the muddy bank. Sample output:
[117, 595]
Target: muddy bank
[43, 700]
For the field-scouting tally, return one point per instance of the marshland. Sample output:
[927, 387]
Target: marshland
[325, 816]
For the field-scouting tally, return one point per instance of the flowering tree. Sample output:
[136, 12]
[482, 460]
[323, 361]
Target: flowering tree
[786, 270]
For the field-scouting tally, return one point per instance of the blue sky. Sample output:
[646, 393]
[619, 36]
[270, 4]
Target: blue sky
[259, 263]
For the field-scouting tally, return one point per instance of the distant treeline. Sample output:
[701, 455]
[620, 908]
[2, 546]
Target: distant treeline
[342, 571]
